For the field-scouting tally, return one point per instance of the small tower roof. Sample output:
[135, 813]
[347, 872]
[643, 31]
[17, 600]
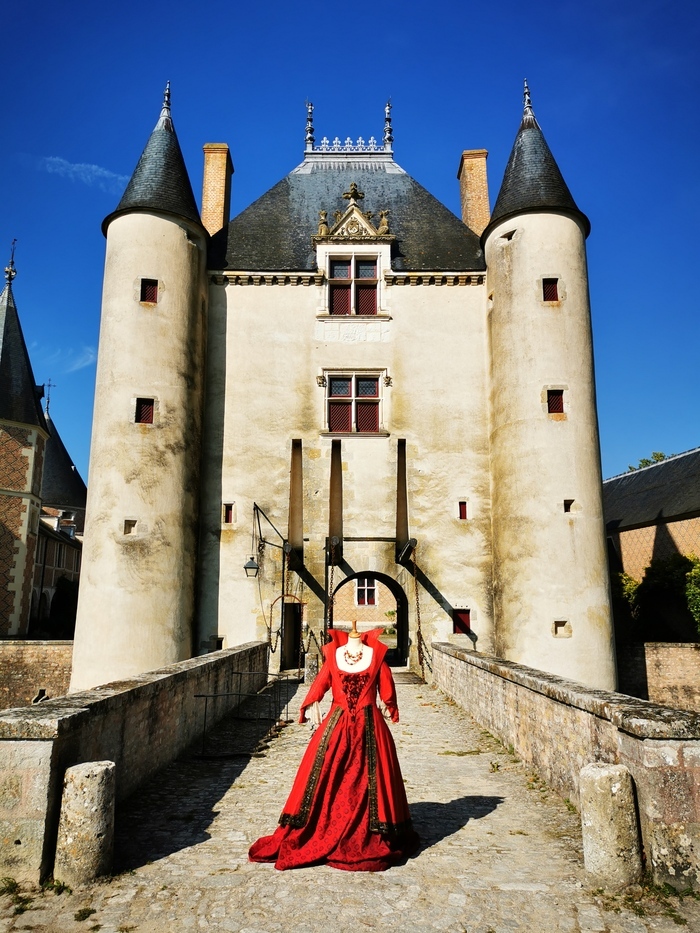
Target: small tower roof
[160, 181]
[62, 487]
[532, 181]
[19, 394]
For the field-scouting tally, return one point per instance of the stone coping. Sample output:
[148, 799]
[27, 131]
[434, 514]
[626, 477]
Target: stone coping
[52, 718]
[640, 718]
[35, 641]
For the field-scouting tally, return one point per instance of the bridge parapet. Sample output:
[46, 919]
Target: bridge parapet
[141, 723]
[558, 726]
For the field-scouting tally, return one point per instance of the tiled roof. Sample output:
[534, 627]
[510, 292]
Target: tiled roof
[665, 490]
[62, 487]
[532, 181]
[19, 394]
[160, 181]
[275, 232]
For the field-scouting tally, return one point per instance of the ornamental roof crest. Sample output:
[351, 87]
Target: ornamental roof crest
[353, 224]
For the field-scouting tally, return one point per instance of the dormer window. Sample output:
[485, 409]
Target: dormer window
[353, 286]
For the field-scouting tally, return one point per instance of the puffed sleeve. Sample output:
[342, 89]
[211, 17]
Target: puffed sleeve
[318, 689]
[387, 691]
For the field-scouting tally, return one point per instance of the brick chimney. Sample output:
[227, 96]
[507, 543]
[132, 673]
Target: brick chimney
[216, 186]
[474, 190]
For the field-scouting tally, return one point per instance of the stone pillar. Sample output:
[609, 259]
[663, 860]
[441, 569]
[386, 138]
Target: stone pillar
[86, 825]
[611, 850]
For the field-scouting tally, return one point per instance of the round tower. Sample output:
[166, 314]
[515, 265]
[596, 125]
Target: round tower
[136, 603]
[551, 589]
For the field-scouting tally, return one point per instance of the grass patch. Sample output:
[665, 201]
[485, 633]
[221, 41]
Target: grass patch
[58, 887]
[84, 913]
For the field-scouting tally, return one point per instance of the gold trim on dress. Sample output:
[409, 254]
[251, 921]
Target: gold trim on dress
[299, 819]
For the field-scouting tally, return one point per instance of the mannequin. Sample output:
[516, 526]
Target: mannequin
[354, 657]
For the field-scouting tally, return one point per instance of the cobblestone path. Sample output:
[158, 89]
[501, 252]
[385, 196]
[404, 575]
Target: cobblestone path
[501, 852]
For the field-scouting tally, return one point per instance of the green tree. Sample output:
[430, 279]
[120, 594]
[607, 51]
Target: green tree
[656, 457]
[692, 589]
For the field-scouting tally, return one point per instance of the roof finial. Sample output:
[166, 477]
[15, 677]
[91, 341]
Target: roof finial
[48, 386]
[388, 133]
[528, 113]
[310, 139]
[10, 271]
[166, 101]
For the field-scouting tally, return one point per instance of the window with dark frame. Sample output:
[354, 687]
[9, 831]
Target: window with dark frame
[144, 410]
[149, 291]
[550, 289]
[353, 404]
[366, 591]
[463, 510]
[555, 401]
[461, 621]
[228, 513]
[353, 287]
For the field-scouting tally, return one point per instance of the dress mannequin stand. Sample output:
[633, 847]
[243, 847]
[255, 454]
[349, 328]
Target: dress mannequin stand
[347, 807]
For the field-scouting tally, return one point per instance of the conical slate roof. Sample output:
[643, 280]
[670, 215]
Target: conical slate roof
[62, 487]
[19, 394]
[532, 181]
[160, 181]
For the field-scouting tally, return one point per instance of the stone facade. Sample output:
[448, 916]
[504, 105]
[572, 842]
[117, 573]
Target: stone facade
[559, 726]
[666, 673]
[21, 459]
[28, 667]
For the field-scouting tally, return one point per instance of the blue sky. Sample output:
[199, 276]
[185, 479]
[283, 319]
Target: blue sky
[615, 87]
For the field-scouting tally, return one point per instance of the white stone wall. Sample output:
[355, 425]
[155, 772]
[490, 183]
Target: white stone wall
[267, 345]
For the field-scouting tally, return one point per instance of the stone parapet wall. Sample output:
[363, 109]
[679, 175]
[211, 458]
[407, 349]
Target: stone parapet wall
[663, 672]
[141, 723]
[26, 667]
[557, 726]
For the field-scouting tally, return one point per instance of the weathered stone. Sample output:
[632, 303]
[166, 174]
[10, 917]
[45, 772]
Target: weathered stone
[611, 851]
[86, 826]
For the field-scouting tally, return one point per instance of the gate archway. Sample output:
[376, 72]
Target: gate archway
[396, 656]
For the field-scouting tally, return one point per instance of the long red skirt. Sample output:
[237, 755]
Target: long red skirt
[335, 771]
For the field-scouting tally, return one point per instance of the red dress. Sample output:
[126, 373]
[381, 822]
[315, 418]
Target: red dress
[348, 806]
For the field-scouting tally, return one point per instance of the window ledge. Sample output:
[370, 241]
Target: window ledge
[354, 434]
[354, 317]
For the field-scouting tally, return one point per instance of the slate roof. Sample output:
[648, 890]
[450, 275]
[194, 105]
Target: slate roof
[666, 490]
[274, 233]
[532, 181]
[19, 394]
[62, 487]
[160, 181]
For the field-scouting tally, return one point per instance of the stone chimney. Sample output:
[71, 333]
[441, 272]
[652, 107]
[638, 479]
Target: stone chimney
[473, 190]
[216, 186]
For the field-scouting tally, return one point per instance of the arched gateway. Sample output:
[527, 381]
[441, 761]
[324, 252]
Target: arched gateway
[374, 599]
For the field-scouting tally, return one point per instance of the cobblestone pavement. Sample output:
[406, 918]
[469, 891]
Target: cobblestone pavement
[501, 852]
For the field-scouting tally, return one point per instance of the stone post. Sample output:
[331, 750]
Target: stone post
[611, 850]
[86, 825]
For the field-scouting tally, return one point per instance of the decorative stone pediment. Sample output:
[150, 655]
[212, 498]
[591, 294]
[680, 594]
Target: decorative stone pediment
[352, 224]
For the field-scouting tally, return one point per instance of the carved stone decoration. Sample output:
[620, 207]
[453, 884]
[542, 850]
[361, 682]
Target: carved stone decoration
[353, 195]
[383, 227]
[323, 228]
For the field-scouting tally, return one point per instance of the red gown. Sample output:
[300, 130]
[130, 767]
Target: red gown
[347, 807]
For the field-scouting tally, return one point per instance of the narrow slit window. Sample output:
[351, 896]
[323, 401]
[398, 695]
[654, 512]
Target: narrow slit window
[130, 526]
[555, 401]
[463, 510]
[550, 289]
[567, 504]
[228, 513]
[149, 290]
[461, 621]
[144, 410]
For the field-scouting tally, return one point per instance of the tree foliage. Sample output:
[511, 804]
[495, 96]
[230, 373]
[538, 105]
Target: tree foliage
[657, 456]
[692, 589]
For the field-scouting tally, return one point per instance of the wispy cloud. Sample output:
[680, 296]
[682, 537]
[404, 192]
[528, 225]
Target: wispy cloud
[92, 175]
[86, 357]
[58, 360]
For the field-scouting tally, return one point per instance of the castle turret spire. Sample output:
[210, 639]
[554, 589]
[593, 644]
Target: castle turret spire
[160, 181]
[532, 181]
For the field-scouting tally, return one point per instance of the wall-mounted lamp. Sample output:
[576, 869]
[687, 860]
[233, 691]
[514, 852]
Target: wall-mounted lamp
[251, 567]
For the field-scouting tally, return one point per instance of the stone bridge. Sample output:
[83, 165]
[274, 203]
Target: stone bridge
[501, 849]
